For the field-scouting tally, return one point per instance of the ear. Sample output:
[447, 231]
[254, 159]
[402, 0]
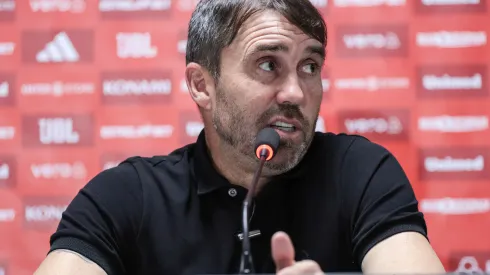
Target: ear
[200, 85]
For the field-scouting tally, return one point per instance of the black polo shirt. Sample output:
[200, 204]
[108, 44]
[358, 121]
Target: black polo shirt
[175, 214]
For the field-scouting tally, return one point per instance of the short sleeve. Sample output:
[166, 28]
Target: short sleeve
[102, 221]
[380, 200]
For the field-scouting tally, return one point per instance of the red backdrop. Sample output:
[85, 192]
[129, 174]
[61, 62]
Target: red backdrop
[84, 84]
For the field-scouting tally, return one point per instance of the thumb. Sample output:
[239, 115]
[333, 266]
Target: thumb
[282, 250]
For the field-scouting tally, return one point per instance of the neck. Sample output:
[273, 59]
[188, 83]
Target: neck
[231, 164]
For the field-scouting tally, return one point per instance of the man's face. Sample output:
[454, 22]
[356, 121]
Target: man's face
[270, 77]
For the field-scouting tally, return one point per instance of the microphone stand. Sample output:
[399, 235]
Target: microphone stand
[246, 265]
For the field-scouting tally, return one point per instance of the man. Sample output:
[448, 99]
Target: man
[326, 203]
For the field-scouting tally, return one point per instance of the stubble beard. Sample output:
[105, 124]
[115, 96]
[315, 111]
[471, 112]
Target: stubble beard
[237, 131]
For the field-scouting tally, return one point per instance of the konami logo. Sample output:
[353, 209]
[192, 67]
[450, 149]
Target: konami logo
[376, 125]
[71, 46]
[7, 82]
[450, 39]
[44, 213]
[450, 6]
[51, 130]
[372, 41]
[7, 172]
[452, 80]
[127, 9]
[136, 87]
[368, 3]
[453, 123]
[451, 163]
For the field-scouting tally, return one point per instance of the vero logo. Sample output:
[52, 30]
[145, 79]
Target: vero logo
[73, 46]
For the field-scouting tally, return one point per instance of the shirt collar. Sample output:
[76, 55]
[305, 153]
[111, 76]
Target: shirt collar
[208, 179]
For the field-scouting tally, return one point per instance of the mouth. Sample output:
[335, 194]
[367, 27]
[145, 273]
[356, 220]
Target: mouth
[285, 125]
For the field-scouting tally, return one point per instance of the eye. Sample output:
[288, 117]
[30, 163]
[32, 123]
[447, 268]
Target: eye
[267, 66]
[310, 68]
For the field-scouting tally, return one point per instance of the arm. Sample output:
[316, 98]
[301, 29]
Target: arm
[97, 232]
[389, 234]
[63, 261]
[407, 252]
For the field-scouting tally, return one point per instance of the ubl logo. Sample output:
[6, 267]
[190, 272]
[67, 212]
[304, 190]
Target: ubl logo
[57, 131]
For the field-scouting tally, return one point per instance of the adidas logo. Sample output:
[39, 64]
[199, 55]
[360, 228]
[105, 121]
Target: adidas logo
[61, 49]
[4, 89]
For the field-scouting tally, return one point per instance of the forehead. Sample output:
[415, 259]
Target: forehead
[269, 27]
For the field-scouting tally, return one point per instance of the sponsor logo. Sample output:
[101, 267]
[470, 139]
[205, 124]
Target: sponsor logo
[7, 172]
[136, 87]
[186, 5]
[191, 124]
[368, 3]
[182, 43]
[43, 213]
[134, 8]
[451, 39]
[73, 6]
[325, 82]
[454, 163]
[453, 124]
[63, 47]
[6, 89]
[7, 10]
[372, 41]
[57, 130]
[470, 263]
[57, 88]
[319, 3]
[7, 48]
[320, 125]
[111, 160]
[438, 6]
[136, 131]
[7, 132]
[60, 170]
[450, 80]
[377, 125]
[135, 45]
[455, 206]
[7, 215]
[373, 83]
[183, 86]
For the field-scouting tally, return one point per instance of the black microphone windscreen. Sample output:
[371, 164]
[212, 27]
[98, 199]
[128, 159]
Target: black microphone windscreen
[268, 136]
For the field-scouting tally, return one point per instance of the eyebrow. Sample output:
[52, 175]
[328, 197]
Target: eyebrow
[320, 50]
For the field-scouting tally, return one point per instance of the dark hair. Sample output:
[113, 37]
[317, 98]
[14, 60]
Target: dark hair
[215, 23]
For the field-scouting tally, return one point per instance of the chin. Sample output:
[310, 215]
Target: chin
[283, 162]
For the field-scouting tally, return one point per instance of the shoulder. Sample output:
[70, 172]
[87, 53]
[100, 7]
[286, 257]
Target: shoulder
[137, 171]
[349, 149]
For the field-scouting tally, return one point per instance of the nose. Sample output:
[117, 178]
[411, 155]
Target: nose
[291, 92]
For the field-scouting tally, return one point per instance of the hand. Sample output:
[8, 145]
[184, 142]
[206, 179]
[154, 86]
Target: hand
[283, 255]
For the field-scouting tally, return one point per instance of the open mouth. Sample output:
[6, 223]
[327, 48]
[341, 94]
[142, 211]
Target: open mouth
[283, 126]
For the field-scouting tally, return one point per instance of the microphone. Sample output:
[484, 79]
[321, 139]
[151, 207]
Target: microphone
[266, 144]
